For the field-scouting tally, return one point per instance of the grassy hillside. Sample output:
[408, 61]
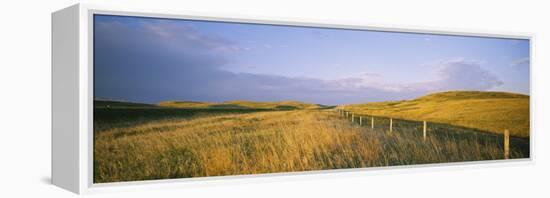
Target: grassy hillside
[489, 111]
[241, 104]
[275, 141]
[120, 104]
[113, 114]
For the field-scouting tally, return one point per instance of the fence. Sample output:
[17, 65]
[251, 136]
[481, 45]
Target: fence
[354, 117]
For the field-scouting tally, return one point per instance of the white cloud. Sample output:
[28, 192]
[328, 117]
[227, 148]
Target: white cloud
[455, 74]
[464, 75]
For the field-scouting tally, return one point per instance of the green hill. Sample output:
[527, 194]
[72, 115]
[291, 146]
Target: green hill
[120, 104]
[241, 104]
[490, 111]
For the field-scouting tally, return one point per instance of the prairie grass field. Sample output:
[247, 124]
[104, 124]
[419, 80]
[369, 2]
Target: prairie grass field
[146, 143]
[182, 98]
[492, 112]
[105, 118]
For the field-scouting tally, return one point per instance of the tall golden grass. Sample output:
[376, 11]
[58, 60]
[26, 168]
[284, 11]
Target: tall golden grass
[490, 111]
[240, 104]
[266, 142]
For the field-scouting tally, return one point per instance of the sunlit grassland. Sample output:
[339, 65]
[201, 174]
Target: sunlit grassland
[489, 111]
[271, 142]
[241, 104]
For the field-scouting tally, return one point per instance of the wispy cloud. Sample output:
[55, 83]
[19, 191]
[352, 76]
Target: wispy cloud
[153, 61]
[177, 63]
[464, 74]
[525, 61]
[182, 34]
[455, 74]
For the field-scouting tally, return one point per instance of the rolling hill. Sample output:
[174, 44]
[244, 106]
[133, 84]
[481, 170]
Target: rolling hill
[241, 104]
[120, 104]
[489, 111]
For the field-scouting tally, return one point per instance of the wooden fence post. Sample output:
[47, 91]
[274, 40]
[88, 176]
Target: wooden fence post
[360, 120]
[425, 127]
[506, 144]
[351, 117]
[391, 124]
[372, 122]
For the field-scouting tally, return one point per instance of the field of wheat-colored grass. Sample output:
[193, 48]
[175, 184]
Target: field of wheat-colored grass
[240, 104]
[489, 111]
[269, 142]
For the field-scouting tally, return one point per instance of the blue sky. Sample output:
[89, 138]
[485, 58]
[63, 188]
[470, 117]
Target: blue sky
[151, 60]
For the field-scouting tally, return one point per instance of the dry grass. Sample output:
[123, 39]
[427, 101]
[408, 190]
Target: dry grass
[267, 142]
[489, 111]
[240, 104]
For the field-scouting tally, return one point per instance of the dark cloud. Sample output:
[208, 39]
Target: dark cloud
[152, 61]
[141, 62]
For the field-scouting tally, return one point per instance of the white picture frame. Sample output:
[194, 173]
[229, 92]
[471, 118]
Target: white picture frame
[72, 101]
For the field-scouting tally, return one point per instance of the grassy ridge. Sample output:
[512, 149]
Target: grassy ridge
[120, 104]
[105, 118]
[241, 104]
[488, 111]
[274, 141]
[114, 114]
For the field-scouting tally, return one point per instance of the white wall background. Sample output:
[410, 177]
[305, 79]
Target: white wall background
[25, 97]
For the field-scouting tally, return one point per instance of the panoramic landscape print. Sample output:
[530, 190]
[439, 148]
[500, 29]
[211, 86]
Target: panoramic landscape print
[180, 98]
